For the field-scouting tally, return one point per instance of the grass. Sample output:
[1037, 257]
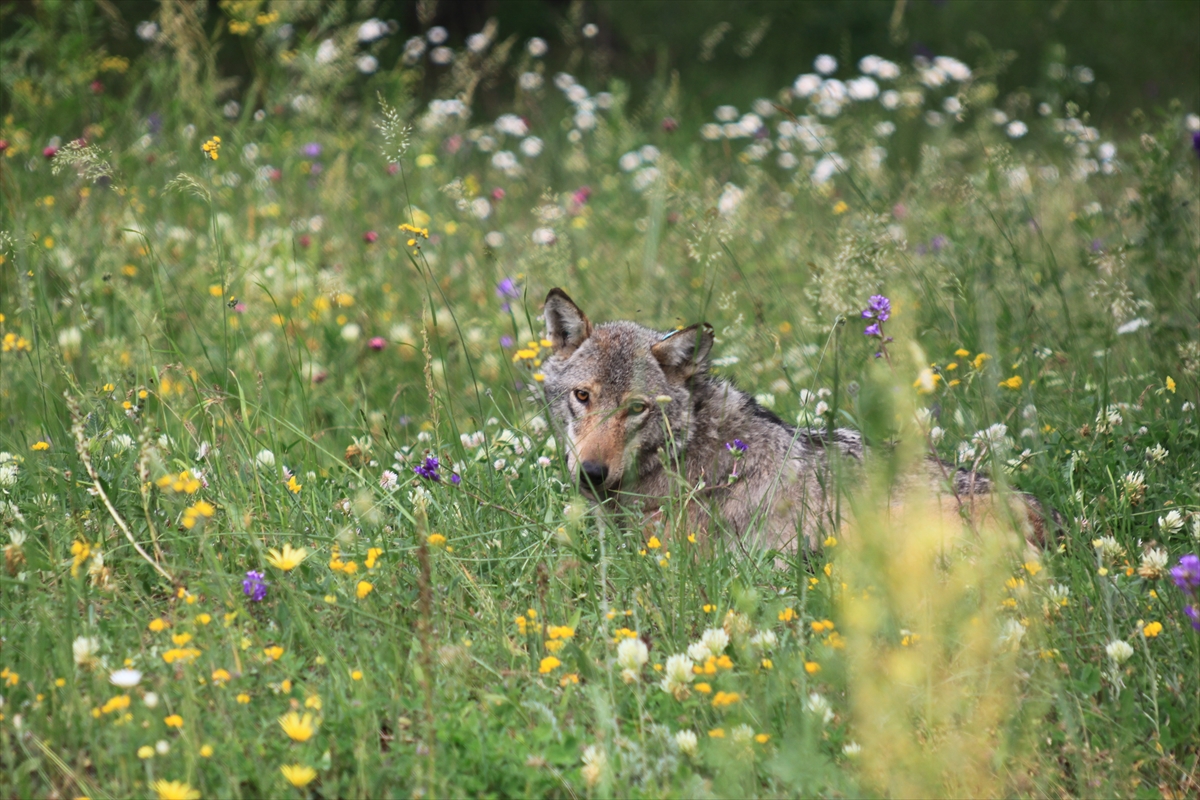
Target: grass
[207, 362]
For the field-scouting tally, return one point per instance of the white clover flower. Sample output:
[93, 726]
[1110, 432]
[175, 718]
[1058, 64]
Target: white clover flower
[577, 93]
[389, 480]
[366, 64]
[85, 648]
[951, 105]
[1011, 634]
[869, 65]
[632, 655]
[125, 678]
[472, 440]
[531, 146]
[494, 239]
[590, 30]
[677, 674]
[584, 121]
[742, 734]
[698, 651]
[825, 64]
[887, 70]
[327, 52]
[414, 48]
[764, 640]
[441, 56]
[954, 68]
[936, 434]
[730, 199]
[371, 30]
[710, 131]
[726, 113]
[630, 161]
[852, 749]
[885, 129]
[537, 47]
[1154, 562]
[826, 168]
[1058, 593]
[437, 34]
[147, 31]
[819, 706]
[890, 99]
[595, 761]
[806, 85]
[1119, 651]
[150, 699]
[1016, 129]
[265, 458]
[687, 742]
[478, 42]
[1108, 419]
[1171, 523]
[1134, 484]
[122, 442]
[203, 450]
[505, 161]
[162, 747]
[351, 331]
[530, 81]
[543, 236]
[862, 88]
[70, 338]
[1110, 549]
[511, 125]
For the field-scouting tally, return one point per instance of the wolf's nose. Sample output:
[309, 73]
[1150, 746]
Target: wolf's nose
[593, 472]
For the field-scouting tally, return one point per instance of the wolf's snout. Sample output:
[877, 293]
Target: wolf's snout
[593, 473]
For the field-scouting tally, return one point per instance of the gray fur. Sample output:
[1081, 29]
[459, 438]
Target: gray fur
[774, 491]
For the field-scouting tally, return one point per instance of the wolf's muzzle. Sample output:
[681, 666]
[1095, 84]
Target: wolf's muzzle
[592, 475]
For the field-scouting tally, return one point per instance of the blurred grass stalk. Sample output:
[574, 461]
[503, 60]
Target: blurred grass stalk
[932, 666]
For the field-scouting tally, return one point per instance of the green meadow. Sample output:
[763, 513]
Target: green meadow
[284, 513]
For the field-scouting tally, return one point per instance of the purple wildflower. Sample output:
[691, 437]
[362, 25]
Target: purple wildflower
[428, 469]
[1196, 142]
[507, 288]
[737, 447]
[312, 149]
[938, 243]
[878, 307]
[1193, 614]
[873, 330]
[506, 341]
[1097, 245]
[1187, 574]
[254, 586]
[455, 478]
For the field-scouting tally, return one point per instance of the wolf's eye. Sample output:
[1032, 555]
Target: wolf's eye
[582, 396]
[637, 406]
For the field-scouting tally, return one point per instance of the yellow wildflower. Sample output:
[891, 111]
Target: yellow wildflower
[175, 790]
[435, 540]
[762, 738]
[274, 653]
[787, 615]
[1170, 388]
[1015, 382]
[356, 675]
[145, 751]
[372, 556]
[203, 619]
[212, 148]
[812, 667]
[717, 733]
[174, 721]
[979, 359]
[296, 727]
[703, 688]
[221, 675]
[298, 775]
[181, 639]
[41, 446]
[723, 699]
[293, 486]
[206, 751]
[654, 543]
[363, 589]
[243, 698]
[841, 207]
[287, 559]
[549, 664]
[1152, 630]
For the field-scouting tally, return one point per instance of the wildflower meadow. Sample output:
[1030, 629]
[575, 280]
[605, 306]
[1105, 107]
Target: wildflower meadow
[284, 513]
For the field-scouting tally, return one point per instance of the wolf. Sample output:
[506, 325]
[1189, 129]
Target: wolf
[640, 414]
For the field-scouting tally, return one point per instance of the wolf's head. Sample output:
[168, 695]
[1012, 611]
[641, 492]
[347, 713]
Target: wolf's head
[619, 393]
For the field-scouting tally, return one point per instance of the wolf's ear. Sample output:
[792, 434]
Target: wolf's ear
[684, 353]
[566, 325]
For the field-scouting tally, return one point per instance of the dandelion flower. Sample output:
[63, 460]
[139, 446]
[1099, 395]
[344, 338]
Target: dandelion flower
[287, 559]
[298, 775]
[298, 728]
[174, 790]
